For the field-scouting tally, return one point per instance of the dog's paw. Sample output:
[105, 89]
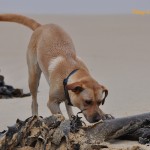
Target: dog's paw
[108, 117]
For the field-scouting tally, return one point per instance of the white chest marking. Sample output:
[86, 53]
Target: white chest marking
[54, 63]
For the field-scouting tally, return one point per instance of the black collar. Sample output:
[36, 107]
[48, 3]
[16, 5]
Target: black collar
[65, 89]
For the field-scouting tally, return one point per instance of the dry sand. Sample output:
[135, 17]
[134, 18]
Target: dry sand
[115, 48]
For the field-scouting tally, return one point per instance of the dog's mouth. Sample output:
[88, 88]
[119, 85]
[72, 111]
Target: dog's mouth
[97, 117]
[93, 118]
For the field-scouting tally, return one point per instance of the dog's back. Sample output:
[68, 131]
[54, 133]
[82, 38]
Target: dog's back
[47, 42]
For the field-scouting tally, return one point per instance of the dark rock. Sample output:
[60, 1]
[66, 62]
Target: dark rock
[8, 91]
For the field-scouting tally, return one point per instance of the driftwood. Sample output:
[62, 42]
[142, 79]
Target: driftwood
[56, 133]
[8, 91]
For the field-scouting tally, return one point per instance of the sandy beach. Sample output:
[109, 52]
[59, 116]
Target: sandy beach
[115, 48]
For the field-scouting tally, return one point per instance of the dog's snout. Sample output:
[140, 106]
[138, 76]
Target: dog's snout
[96, 118]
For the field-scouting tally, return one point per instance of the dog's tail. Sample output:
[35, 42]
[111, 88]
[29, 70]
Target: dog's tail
[32, 24]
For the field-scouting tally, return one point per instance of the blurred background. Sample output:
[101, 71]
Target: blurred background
[73, 6]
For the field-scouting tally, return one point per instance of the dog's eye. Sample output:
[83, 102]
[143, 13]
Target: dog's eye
[99, 102]
[88, 102]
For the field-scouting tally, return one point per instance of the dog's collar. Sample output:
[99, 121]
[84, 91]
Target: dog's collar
[65, 89]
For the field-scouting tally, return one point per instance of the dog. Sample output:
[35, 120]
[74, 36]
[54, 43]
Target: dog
[51, 51]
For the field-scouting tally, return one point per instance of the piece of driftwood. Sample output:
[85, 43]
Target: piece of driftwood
[56, 133]
[8, 91]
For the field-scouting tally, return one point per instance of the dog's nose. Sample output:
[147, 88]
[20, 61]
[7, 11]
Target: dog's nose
[96, 118]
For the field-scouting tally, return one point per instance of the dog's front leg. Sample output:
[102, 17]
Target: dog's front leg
[54, 107]
[69, 110]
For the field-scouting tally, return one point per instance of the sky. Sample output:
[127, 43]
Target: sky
[73, 6]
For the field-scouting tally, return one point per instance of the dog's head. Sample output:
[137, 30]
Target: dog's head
[88, 95]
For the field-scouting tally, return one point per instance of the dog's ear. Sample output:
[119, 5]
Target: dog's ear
[105, 91]
[75, 87]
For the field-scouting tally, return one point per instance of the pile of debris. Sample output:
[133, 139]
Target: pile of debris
[56, 133]
[8, 91]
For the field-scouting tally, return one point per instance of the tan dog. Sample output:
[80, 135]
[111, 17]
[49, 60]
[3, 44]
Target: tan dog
[52, 52]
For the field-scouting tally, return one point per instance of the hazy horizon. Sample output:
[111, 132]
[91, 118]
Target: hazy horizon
[73, 6]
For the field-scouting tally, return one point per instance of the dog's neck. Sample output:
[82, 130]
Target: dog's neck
[79, 75]
[65, 83]
[76, 75]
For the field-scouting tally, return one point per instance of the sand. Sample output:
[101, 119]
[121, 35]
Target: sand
[115, 48]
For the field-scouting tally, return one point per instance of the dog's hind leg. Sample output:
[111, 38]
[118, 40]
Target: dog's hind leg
[34, 77]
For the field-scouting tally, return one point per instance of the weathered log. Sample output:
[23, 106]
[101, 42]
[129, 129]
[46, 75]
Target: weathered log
[55, 132]
[116, 128]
